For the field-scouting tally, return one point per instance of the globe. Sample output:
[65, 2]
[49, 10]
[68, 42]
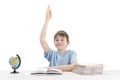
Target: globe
[15, 62]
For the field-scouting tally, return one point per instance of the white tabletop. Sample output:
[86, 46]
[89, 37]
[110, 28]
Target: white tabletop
[25, 75]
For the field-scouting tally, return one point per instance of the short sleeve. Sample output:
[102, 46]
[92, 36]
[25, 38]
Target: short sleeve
[73, 57]
[49, 54]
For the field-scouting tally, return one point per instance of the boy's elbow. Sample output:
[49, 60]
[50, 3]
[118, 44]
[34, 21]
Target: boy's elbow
[42, 40]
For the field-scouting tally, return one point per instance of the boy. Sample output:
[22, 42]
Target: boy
[60, 59]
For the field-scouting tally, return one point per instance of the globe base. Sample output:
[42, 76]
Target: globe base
[14, 71]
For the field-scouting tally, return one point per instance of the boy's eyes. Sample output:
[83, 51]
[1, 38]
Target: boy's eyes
[59, 40]
[56, 40]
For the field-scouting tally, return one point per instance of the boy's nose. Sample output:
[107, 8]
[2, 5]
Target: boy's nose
[59, 42]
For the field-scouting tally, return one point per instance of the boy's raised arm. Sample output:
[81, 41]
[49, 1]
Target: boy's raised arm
[43, 34]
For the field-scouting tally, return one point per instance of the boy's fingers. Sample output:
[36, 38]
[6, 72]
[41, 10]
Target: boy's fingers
[48, 7]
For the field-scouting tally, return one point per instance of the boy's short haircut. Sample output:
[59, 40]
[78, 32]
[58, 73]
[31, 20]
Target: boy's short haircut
[62, 33]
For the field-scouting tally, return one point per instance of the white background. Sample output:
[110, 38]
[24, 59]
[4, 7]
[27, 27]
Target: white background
[93, 27]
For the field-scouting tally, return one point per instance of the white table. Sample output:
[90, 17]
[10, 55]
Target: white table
[25, 75]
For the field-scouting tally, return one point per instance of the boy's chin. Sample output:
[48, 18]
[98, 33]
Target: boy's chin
[59, 48]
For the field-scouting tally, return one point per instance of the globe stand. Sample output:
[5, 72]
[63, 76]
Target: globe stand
[14, 71]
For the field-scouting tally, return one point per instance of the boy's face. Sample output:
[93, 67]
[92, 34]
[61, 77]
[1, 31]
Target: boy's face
[61, 42]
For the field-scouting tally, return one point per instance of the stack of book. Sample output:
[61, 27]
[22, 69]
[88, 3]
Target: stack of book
[88, 69]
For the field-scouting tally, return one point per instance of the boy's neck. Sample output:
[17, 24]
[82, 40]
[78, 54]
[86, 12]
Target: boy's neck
[62, 51]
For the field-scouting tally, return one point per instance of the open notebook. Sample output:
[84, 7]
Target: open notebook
[46, 71]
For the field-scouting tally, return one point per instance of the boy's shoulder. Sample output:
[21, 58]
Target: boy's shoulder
[71, 51]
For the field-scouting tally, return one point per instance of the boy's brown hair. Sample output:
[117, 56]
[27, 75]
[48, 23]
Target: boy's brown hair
[62, 33]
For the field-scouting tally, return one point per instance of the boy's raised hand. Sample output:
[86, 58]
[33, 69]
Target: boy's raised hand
[48, 13]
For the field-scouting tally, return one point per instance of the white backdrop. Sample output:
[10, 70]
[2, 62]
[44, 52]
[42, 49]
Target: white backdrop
[93, 27]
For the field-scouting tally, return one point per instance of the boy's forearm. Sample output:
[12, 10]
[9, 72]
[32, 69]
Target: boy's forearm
[44, 31]
[63, 67]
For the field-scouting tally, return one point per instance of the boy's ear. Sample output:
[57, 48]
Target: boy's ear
[68, 42]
